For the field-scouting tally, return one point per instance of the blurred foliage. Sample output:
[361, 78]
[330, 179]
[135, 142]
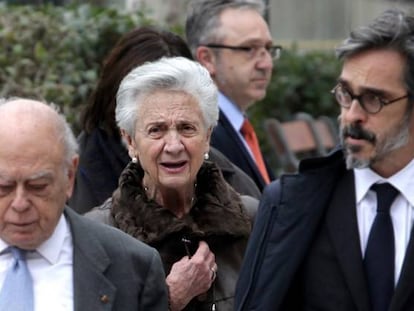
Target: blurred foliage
[55, 53]
[301, 82]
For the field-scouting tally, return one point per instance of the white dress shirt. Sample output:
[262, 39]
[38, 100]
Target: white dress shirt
[401, 209]
[51, 269]
[235, 117]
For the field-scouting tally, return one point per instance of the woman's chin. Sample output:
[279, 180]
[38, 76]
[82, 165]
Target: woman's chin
[175, 182]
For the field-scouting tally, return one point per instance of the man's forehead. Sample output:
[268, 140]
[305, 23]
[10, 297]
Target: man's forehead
[253, 27]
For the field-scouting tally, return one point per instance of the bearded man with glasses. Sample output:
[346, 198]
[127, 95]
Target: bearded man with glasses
[338, 235]
[232, 40]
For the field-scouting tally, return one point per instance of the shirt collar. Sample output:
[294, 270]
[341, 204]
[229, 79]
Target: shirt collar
[403, 180]
[231, 111]
[52, 247]
[3, 246]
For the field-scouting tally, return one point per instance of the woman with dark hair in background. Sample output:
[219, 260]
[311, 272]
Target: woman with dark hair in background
[103, 154]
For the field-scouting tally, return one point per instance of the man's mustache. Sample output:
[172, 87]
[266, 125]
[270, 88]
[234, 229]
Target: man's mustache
[357, 132]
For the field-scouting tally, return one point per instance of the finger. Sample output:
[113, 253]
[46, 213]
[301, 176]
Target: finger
[213, 274]
[203, 248]
[204, 254]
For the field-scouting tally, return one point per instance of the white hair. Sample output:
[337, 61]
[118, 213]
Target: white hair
[167, 73]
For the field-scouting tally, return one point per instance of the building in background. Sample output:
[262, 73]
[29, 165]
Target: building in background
[312, 24]
[322, 23]
[167, 12]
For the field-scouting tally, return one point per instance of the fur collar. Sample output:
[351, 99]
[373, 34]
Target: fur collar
[216, 213]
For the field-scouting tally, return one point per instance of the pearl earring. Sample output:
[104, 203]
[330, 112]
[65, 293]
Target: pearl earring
[206, 156]
[134, 160]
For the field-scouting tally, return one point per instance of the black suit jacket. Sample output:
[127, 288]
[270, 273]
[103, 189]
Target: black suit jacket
[226, 139]
[334, 267]
[304, 251]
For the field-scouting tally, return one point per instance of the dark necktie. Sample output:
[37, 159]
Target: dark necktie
[379, 254]
[17, 291]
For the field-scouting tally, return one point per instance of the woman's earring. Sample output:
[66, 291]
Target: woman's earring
[134, 160]
[206, 156]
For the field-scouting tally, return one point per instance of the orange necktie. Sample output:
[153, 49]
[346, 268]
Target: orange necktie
[249, 135]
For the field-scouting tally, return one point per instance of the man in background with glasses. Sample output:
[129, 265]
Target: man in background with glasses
[232, 40]
[338, 235]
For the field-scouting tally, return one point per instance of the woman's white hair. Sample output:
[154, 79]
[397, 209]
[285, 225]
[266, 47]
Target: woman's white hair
[170, 74]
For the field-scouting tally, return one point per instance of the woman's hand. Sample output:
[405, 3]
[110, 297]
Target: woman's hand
[191, 277]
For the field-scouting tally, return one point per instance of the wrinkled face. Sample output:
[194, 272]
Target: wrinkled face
[242, 78]
[34, 186]
[170, 139]
[380, 139]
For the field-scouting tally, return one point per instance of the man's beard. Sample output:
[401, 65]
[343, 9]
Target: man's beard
[395, 138]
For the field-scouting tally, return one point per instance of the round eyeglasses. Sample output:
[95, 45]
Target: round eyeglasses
[251, 51]
[370, 102]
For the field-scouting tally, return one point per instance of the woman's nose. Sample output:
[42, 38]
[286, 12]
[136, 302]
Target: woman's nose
[173, 141]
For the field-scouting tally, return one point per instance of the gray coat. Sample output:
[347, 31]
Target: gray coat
[112, 271]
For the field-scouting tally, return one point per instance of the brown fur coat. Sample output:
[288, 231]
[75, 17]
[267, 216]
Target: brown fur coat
[217, 217]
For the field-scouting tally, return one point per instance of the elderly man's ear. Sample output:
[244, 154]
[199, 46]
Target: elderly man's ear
[71, 175]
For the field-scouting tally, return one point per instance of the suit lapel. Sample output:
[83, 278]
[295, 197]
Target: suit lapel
[92, 290]
[404, 292]
[343, 230]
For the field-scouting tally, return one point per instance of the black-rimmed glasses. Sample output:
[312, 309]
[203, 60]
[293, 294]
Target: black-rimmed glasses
[251, 51]
[369, 101]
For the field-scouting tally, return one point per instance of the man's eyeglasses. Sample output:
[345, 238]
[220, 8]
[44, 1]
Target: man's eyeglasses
[251, 51]
[370, 102]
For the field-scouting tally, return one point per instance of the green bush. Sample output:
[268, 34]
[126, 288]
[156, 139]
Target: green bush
[54, 53]
[301, 82]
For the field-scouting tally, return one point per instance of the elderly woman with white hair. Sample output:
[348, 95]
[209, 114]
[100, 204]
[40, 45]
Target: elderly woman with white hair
[170, 196]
